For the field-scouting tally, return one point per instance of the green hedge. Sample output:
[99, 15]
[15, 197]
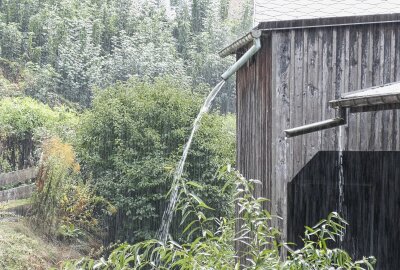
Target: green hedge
[23, 123]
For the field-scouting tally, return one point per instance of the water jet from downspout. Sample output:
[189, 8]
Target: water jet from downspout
[168, 213]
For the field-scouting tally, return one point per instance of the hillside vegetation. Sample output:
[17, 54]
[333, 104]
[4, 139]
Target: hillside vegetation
[22, 248]
[59, 51]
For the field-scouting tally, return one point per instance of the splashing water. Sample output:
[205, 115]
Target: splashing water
[168, 214]
[341, 177]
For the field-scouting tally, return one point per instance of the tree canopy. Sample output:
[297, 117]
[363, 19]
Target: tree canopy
[59, 51]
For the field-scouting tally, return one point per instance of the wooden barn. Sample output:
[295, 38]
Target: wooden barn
[340, 151]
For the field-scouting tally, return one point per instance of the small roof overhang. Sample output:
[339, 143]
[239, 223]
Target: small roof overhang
[379, 95]
[370, 99]
[241, 42]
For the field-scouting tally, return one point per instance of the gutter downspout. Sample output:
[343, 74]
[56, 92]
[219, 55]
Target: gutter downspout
[252, 36]
[340, 120]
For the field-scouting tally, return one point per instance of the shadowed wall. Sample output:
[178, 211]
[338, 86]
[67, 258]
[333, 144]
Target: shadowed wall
[371, 202]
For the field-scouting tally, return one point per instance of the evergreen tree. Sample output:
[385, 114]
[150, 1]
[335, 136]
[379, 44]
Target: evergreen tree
[79, 64]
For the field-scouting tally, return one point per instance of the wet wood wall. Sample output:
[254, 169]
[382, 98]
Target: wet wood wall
[371, 202]
[254, 123]
[289, 83]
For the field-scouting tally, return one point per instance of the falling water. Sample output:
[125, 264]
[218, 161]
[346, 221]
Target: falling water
[341, 176]
[168, 214]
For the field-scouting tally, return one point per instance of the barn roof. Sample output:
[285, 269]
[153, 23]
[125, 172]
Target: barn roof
[278, 10]
[291, 14]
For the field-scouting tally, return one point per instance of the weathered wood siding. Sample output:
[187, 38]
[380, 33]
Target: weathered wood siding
[313, 66]
[254, 127]
[24, 177]
[289, 83]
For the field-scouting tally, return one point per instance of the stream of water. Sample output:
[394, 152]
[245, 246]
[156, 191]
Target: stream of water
[169, 212]
[341, 176]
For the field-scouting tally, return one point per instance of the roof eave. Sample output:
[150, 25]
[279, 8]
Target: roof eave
[363, 99]
[366, 101]
[241, 42]
[309, 23]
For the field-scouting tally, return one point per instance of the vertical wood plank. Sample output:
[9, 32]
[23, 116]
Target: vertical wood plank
[396, 118]
[328, 93]
[334, 86]
[292, 98]
[298, 90]
[353, 75]
[346, 86]
[392, 120]
[281, 45]
[274, 189]
[366, 81]
[312, 94]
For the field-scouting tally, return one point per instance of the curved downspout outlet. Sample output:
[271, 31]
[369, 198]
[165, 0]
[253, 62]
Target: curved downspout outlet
[243, 60]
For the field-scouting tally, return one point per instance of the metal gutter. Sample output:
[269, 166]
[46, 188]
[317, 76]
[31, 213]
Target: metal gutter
[315, 127]
[231, 49]
[373, 96]
[243, 60]
[335, 122]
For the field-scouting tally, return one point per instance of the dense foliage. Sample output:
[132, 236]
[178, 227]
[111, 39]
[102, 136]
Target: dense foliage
[24, 123]
[58, 51]
[19, 116]
[215, 249]
[130, 143]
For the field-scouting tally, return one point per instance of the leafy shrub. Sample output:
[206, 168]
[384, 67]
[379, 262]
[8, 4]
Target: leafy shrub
[19, 116]
[68, 232]
[215, 249]
[130, 142]
[56, 171]
[80, 207]
[317, 255]
[24, 123]
[63, 204]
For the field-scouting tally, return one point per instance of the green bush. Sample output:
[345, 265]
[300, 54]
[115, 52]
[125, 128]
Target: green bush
[131, 140]
[24, 122]
[22, 115]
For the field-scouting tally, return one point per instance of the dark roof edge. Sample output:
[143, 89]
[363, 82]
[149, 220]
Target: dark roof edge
[329, 22]
[241, 42]
[311, 23]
